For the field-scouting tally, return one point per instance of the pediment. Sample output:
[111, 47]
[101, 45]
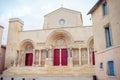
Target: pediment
[63, 10]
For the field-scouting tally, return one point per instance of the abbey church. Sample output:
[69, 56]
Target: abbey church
[62, 43]
[64, 48]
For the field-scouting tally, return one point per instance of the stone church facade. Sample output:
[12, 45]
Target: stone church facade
[63, 44]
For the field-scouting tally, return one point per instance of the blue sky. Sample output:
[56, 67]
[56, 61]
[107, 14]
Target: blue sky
[32, 11]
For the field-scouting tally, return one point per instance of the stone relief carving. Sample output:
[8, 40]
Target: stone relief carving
[61, 42]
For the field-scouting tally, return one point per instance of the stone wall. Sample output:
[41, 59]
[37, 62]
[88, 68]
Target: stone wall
[100, 21]
[2, 58]
[110, 54]
[71, 18]
[1, 31]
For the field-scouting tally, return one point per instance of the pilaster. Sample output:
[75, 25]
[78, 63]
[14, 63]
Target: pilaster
[80, 58]
[33, 57]
[88, 51]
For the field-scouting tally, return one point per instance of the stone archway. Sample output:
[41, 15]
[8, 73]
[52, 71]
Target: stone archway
[26, 52]
[91, 56]
[60, 40]
[59, 36]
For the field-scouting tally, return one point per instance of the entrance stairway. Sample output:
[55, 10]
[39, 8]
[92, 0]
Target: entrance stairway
[59, 71]
[42, 78]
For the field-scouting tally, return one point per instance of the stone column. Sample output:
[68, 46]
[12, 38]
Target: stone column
[50, 57]
[68, 56]
[22, 57]
[18, 58]
[80, 58]
[60, 57]
[46, 58]
[39, 57]
[88, 55]
[71, 59]
[33, 57]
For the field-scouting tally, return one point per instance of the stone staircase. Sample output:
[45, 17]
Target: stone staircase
[43, 78]
[59, 71]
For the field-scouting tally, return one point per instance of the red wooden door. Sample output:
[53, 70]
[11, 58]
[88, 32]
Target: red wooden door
[93, 58]
[56, 57]
[29, 59]
[64, 55]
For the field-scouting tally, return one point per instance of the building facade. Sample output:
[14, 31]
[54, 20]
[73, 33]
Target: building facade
[1, 31]
[1, 66]
[106, 29]
[2, 58]
[63, 44]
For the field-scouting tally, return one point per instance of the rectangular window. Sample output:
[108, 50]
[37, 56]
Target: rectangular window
[111, 68]
[108, 36]
[105, 8]
[101, 65]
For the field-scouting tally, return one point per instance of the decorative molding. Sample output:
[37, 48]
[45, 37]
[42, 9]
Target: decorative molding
[79, 42]
[41, 44]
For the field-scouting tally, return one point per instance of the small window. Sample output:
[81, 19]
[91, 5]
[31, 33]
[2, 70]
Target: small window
[111, 68]
[105, 8]
[101, 65]
[108, 36]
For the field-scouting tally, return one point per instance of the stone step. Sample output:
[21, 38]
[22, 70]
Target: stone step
[84, 71]
[44, 78]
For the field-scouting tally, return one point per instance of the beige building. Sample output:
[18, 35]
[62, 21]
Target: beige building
[64, 47]
[106, 29]
[2, 58]
[1, 65]
[1, 31]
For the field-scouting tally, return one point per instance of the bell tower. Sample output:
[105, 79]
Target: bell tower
[15, 26]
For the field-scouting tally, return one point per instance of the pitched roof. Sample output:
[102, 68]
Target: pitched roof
[60, 9]
[95, 6]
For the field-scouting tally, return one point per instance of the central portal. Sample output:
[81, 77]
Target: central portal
[60, 57]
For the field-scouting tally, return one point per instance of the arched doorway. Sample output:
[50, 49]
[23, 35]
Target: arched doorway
[29, 55]
[91, 52]
[27, 49]
[60, 41]
[60, 53]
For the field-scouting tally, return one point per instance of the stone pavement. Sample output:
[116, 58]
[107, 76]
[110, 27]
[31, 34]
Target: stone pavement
[43, 78]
